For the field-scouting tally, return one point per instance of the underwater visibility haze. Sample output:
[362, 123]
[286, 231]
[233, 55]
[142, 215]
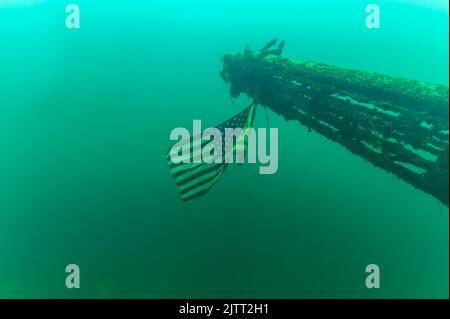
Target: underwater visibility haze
[85, 119]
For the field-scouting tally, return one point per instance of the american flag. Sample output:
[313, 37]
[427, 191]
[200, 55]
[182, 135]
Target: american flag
[196, 177]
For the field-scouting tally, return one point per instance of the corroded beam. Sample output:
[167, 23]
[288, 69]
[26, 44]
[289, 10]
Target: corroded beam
[396, 124]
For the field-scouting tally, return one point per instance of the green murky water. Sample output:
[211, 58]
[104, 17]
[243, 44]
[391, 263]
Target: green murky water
[85, 117]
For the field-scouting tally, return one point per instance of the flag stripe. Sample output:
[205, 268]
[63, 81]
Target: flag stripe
[192, 145]
[196, 180]
[181, 169]
[202, 188]
[194, 175]
[193, 178]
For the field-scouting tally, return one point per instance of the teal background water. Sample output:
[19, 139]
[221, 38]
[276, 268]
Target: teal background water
[85, 117]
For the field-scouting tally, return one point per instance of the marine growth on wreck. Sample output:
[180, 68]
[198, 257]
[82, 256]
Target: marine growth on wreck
[396, 124]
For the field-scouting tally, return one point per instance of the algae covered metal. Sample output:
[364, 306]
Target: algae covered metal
[396, 124]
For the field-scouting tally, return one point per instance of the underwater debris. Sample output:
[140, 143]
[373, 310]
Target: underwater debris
[378, 117]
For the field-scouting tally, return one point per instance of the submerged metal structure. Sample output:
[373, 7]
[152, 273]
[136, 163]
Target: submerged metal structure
[399, 125]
